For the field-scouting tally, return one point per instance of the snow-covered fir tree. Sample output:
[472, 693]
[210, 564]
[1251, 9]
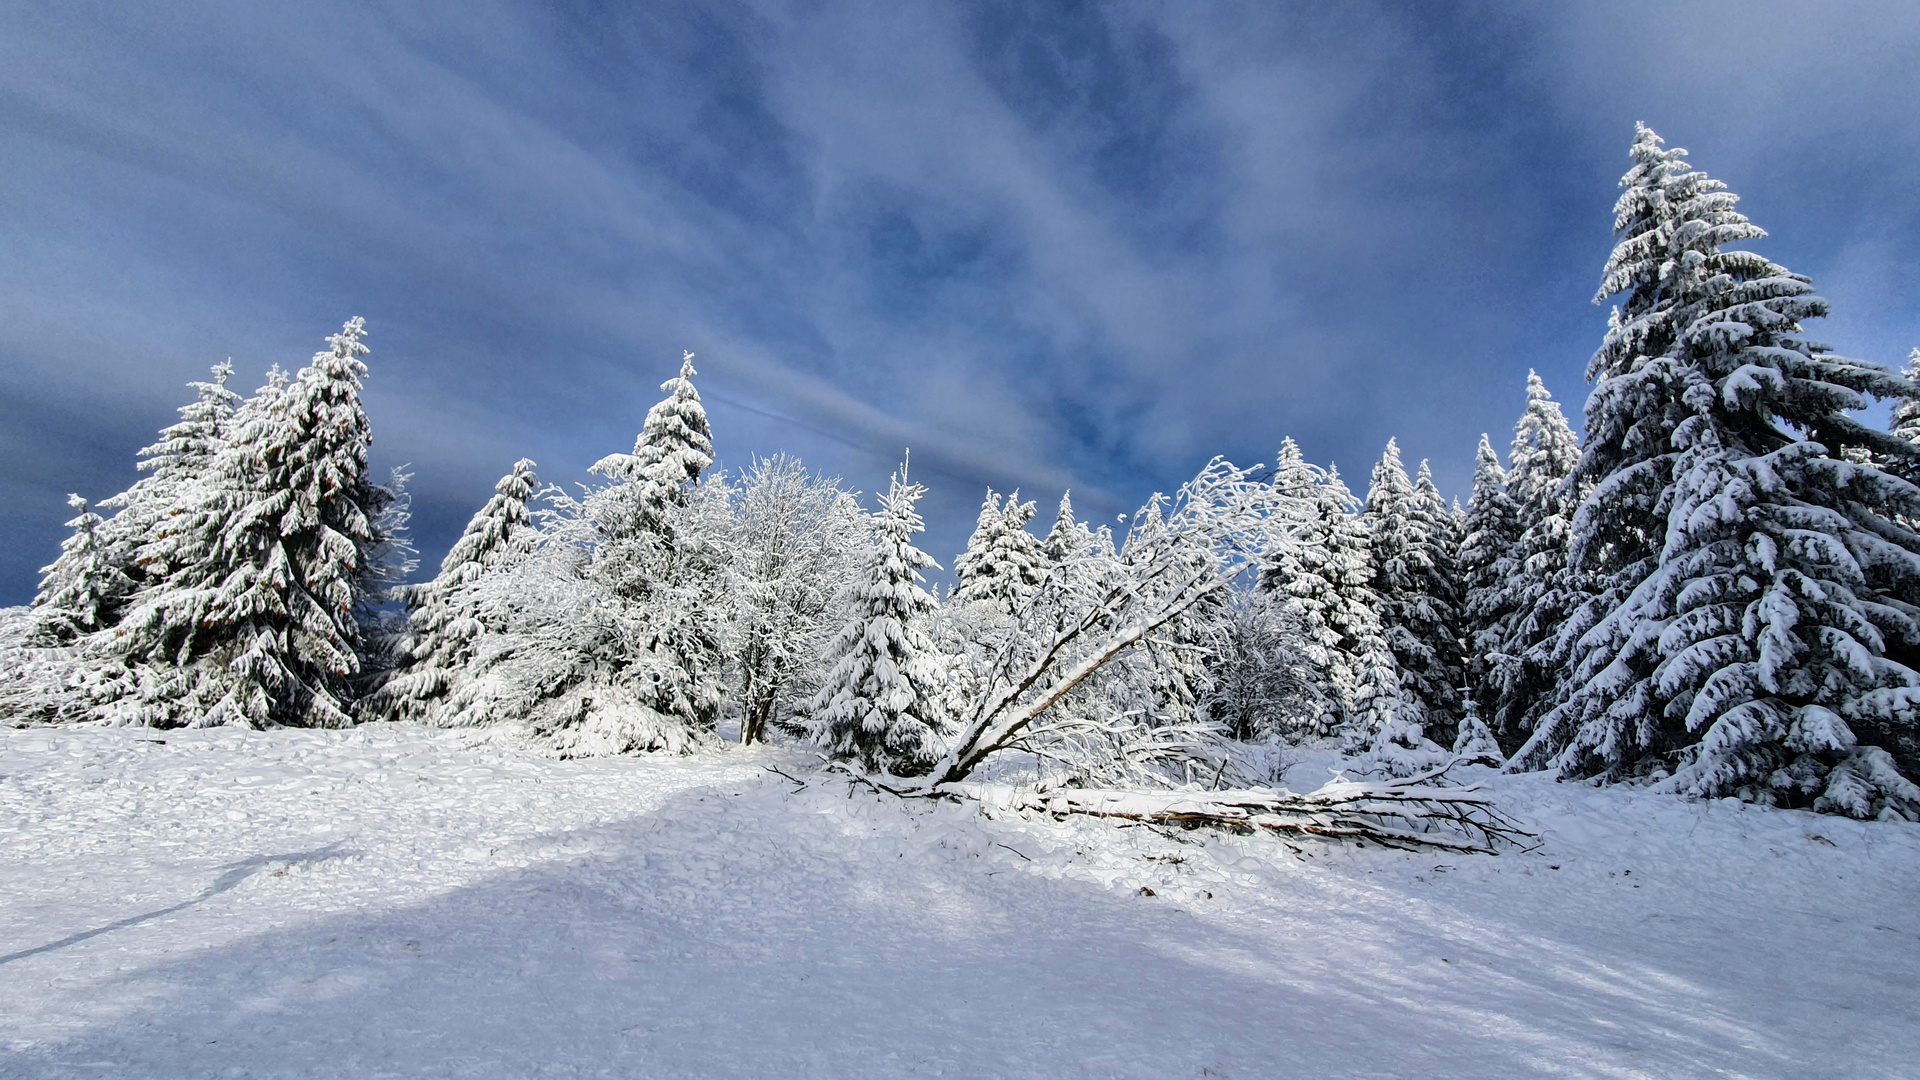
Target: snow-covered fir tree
[1440, 527]
[1003, 562]
[973, 568]
[1017, 555]
[443, 615]
[1294, 478]
[878, 708]
[1490, 530]
[180, 556]
[1294, 506]
[1067, 537]
[634, 552]
[1756, 630]
[611, 629]
[1325, 573]
[674, 446]
[143, 532]
[1475, 742]
[264, 625]
[1541, 592]
[1407, 536]
[77, 589]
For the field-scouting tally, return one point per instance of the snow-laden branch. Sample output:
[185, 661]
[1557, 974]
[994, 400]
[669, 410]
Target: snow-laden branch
[1098, 606]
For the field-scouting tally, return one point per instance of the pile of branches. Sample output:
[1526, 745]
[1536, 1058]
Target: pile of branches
[1408, 813]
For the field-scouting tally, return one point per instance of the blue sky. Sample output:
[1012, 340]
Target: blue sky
[1043, 245]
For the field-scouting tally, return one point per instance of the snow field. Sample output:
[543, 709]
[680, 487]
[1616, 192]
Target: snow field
[399, 901]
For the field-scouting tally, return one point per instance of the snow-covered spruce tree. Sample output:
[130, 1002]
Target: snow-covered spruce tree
[795, 544]
[1003, 562]
[973, 568]
[999, 571]
[610, 631]
[1295, 481]
[1324, 570]
[443, 615]
[149, 514]
[878, 709]
[76, 591]
[1475, 742]
[1491, 529]
[1757, 630]
[262, 628]
[1542, 592]
[674, 446]
[1294, 501]
[179, 557]
[1067, 536]
[1415, 593]
[1442, 527]
[1017, 555]
[634, 533]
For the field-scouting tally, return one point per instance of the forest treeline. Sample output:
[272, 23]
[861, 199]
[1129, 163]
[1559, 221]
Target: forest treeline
[1714, 588]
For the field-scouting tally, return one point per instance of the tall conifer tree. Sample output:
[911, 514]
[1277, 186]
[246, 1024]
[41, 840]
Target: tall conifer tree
[1490, 529]
[267, 620]
[1541, 591]
[78, 589]
[1003, 562]
[674, 447]
[1441, 528]
[879, 706]
[609, 631]
[443, 617]
[1067, 537]
[1325, 577]
[1017, 553]
[974, 567]
[1416, 610]
[1756, 631]
[146, 535]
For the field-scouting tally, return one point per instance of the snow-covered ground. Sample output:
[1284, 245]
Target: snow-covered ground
[392, 901]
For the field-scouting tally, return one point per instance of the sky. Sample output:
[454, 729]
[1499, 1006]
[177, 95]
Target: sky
[1044, 247]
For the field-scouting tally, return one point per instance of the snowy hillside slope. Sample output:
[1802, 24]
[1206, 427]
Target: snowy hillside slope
[399, 901]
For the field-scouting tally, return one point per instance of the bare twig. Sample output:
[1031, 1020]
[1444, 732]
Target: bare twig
[798, 783]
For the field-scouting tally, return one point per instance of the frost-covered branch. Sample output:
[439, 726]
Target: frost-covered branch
[1092, 609]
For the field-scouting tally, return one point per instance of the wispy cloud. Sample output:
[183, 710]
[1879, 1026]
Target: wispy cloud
[1065, 245]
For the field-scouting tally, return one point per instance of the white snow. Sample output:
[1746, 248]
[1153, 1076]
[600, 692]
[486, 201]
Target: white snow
[398, 901]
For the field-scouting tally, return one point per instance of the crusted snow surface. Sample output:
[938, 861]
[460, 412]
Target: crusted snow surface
[396, 901]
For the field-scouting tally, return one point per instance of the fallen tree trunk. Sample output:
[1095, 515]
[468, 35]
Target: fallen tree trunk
[1409, 813]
